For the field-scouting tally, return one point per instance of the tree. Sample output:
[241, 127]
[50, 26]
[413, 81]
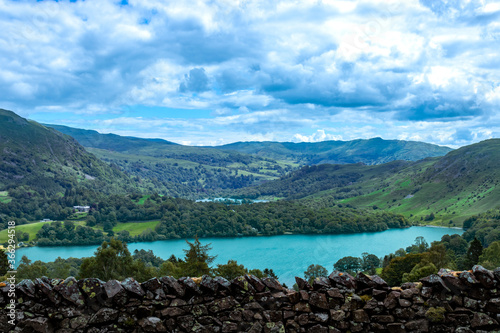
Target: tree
[27, 270]
[394, 272]
[348, 264]
[315, 271]
[422, 269]
[370, 263]
[420, 246]
[4, 263]
[197, 260]
[111, 261]
[473, 253]
[230, 270]
[490, 258]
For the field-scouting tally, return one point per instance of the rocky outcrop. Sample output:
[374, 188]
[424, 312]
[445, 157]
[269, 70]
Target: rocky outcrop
[446, 302]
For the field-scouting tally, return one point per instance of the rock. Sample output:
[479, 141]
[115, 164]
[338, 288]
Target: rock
[152, 324]
[383, 318]
[172, 312]
[42, 325]
[321, 283]
[229, 327]
[27, 287]
[396, 328]
[468, 278]
[379, 294]
[392, 300]
[207, 283]
[272, 284]
[104, 315]
[409, 293]
[190, 286]
[318, 329]
[342, 280]
[172, 286]
[303, 284]
[222, 282]
[337, 315]
[452, 281]
[404, 303]
[434, 281]
[420, 325]
[93, 289]
[318, 300]
[493, 305]
[360, 316]
[256, 283]
[46, 289]
[301, 307]
[484, 276]
[115, 292]
[319, 317]
[155, 287]
[482, 320]
[241, 284]
[222, 304]
[133, 287]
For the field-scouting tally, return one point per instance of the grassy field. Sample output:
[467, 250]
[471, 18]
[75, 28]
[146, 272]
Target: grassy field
[135, 228]
[4, 197]
[31, 229]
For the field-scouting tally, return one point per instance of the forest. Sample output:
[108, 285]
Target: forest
[181, 218]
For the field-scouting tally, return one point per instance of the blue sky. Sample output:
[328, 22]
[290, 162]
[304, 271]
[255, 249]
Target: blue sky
[215, 72]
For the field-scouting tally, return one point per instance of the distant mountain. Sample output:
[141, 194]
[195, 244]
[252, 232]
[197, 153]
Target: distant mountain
[177, 170]
[47, 160]
[462, 183]
[370, 152]
[94, 139]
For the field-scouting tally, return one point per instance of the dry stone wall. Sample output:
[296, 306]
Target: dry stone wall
[447, 302]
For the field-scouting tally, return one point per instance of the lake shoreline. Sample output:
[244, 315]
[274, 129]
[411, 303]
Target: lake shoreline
[286, 233]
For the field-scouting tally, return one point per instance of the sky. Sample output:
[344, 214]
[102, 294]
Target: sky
[221, 71]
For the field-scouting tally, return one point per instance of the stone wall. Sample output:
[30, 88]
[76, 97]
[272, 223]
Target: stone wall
[448, 302]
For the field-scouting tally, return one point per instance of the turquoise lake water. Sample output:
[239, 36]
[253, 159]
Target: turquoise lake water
[287, 255]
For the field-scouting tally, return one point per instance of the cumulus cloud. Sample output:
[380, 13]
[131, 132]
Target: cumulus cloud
[318, 136]
[269, 70]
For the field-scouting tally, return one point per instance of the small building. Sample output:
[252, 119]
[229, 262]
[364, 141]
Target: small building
[82, 209]
[46, 220]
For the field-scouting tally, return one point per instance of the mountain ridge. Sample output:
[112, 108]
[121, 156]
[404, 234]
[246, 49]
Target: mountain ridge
[447, 189]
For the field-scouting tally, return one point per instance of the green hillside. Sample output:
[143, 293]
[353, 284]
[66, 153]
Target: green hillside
[372, 151]
[441, 190]
[48, 161]
[176, 170]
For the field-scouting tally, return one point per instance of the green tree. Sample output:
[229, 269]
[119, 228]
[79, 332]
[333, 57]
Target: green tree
[420, 270]
[197, 260]
[28, 270]
[393, 273]
[490, 258]
[315, 271]
[348, 264]
[111, 261]
[230, 270]
[4, 263]
[370, 263]
[473, 253]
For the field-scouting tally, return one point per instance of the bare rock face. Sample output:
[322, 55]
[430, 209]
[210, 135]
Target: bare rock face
[446, 302]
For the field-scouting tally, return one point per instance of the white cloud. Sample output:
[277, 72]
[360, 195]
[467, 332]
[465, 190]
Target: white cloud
[318, 136]
[274, 69]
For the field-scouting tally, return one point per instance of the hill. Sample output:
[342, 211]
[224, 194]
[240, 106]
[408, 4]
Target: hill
[177, 170]
[370, 152]
[46, 160]
[440, 190]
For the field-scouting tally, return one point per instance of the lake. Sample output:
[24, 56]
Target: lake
[287, 255]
